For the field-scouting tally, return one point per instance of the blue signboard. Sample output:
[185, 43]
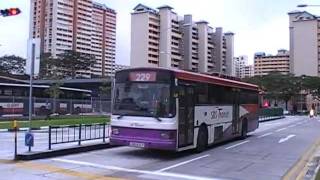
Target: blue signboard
[29, 139]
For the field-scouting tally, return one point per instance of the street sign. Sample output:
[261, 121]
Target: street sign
[33, 55]
[29, 139]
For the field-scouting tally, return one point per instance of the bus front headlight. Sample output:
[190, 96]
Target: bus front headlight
[115, 131]
[167, 135]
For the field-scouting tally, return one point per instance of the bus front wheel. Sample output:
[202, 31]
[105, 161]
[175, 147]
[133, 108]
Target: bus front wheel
[202, 140]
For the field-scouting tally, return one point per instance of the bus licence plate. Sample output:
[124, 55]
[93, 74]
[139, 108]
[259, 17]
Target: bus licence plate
[136, 144]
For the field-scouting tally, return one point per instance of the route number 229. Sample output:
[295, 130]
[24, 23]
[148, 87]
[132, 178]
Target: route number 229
[143, 76]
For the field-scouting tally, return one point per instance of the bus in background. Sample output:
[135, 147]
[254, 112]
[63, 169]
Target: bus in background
[14, 100]
[177, 110]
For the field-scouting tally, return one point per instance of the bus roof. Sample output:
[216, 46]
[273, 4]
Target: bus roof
[193, 76]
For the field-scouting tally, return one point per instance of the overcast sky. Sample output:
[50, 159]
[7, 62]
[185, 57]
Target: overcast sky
[259, 25]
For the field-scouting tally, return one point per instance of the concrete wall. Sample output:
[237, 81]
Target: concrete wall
[187, 42]
[217, 38]
[305, 48]
[165, 38]
[230, 52]
[203, 46]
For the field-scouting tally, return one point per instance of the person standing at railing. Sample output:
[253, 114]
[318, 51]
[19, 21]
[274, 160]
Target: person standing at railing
[312, 113]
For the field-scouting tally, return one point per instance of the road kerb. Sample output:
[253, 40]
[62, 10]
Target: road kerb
[299, 169]
[47, 168]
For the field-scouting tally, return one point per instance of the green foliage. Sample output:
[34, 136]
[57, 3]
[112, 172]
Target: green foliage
[278, 86]
[12, 64]
[71, 62]
[284, 87]
[311, 85]
[57, 121]
[48, 67]
[66, 65]
[105, 88]
[54, 90]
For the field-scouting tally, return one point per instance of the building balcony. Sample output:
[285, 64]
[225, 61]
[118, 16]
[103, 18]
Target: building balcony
[195, 61]
[156, 53]
[194, 41]
[155, 30]
[176, 57]
[210, 64]
[154, 41]
[177, 35]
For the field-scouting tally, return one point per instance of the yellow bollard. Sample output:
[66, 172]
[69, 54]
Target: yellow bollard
[15, 124]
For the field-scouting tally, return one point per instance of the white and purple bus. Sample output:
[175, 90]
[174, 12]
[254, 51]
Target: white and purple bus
[176, 110]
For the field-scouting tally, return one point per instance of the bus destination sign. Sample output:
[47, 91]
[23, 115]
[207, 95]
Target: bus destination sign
[143, 76]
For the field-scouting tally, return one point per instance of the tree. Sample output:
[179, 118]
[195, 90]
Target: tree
[54, 92]
[105, 89]
[72, 62]
[288, 88]
[311, 84]
[49, 67]
[277, 86]
[12, 64]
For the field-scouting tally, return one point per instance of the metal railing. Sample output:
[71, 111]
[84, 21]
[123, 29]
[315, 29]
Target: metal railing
[77, 133]
[270, 113]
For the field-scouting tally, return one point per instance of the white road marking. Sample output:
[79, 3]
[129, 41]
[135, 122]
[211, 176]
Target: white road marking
[264, 135]
[115, 168]
[293, 125]
[286, 138]
[281, 129]
[233, 146]
[272, 124]
[318, 120]
[182, 163]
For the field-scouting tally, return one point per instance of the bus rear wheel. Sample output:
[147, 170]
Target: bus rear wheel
[202, 140]
[244, 129]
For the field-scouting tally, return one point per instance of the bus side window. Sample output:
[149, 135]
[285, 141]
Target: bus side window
[201, 93]
[212, 94]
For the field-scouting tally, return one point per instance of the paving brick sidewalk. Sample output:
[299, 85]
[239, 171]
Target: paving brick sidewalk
[313, 166]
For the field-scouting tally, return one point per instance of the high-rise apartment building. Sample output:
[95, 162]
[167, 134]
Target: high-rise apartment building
[227, 61]
[236, 67]
[168, 40]
[248, 71]
[80, 25]
[304, 31]
[240, 63]
[264, 64]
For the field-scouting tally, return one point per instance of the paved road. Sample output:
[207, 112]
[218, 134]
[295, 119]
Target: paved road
[268, 153]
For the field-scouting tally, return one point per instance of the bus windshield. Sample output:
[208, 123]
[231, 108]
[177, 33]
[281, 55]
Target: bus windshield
[143, 99]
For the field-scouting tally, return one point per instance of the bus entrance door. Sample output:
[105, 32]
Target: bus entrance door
[235, 114]
[186, 115]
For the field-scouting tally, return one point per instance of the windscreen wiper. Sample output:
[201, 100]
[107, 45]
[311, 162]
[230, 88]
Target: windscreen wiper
[121, 116]
[157, 118]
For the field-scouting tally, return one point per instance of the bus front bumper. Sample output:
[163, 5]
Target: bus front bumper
[144, 138]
